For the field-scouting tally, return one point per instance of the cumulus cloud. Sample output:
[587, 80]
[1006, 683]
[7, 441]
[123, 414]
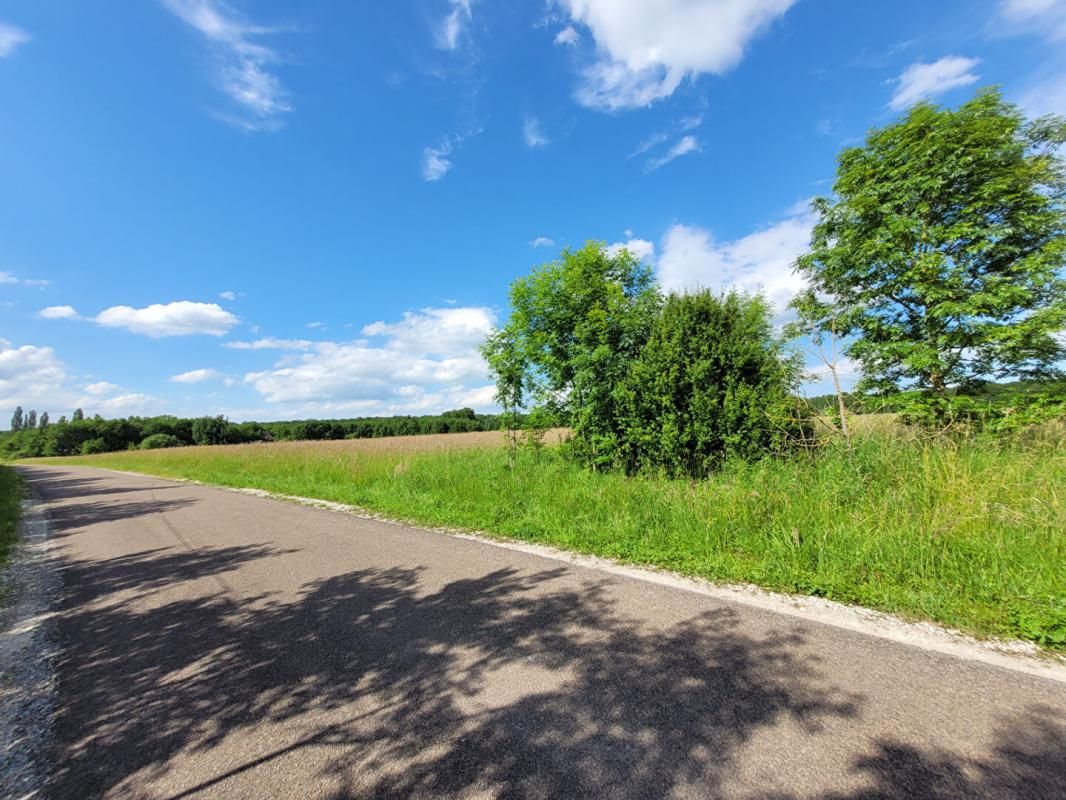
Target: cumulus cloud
[692, 259]
[101, 388]
[532, 134]
[542, 241]
[32, 377]
[11, 38]
[196, 376]
[182, 318]
[641, 248]
[451, 28]
[426, 360]
[922, 81]
[646, 48]
[227, 295]
[58, 312]
[684, 146]
[244, 64]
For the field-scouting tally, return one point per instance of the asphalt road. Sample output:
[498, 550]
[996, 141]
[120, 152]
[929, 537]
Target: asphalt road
[222, 645]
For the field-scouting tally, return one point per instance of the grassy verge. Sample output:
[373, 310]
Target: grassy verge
[972, 535]
[10, 498]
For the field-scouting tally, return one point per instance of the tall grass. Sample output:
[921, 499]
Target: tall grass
[971, 534]
[10, 498]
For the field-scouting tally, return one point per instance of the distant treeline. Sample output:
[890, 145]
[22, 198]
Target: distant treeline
[87, 435]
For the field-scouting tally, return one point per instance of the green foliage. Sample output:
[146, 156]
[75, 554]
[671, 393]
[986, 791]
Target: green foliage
[712, 383]
[967, 532]
[158, 440]
[10, 501]
[941, 252]
[576, 326]
[92, 446]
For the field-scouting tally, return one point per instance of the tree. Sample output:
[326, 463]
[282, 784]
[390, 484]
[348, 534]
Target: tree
[44, 420]
[77, 416]
[713, 382]
[17, 420]
[940, 252]
[211, 430]
[576, 325]
[31, 420]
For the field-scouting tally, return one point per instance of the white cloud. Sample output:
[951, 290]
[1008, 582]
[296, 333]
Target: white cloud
[684, 146]
[31, 377]
[436, 161]
[641, 248]
[101, 388]
[314, 325]
[11, 38]
[542, 241]
[227, 295]
[8, 278]
[270, 343]
[1046, 96]
[921, 81]
[196, 376]
[567, 36]
[182, 318]
[532, 134]
[243, 62]
[691, 259]
[646, 48]
[122, 405]
[58, 312]
[453, 25]
[425, 361]
[1044, 17]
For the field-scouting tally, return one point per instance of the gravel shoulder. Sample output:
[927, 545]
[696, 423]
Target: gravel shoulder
[29, 586]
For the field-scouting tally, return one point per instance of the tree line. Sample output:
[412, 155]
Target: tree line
[936, 265]
[82, 435]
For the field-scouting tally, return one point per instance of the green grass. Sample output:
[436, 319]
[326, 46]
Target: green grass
[10, 499]
[971, 534]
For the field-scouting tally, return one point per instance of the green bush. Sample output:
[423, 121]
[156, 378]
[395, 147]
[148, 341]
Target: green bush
[712, 383]
[92, 446]
[158, 440]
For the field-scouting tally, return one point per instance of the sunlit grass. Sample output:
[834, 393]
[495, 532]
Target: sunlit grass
[971, 534]
[10, 498]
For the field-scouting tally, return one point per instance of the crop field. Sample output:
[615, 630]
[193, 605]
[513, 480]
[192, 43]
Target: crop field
[969, 533]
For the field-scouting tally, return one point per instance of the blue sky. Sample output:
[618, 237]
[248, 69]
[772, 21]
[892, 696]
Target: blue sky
[278, 210]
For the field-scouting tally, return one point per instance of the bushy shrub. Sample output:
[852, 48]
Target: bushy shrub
[159, 440]
[92, 446]
[712, 383]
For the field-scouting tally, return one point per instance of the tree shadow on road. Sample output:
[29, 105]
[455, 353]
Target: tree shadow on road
[516, 684]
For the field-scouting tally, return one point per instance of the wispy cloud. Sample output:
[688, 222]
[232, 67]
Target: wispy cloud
[11, 38]
[921, 81]
[8, 278]
[683, 125]
[197, 376]
[533, 134]
[270, 343]
[568, 36]
[542, 241]
[436, 161]
[243, 62]
[450, 29]
[1043, 17]
[684, 146]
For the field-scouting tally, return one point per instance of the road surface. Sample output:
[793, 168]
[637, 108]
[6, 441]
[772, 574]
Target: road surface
[215, 644]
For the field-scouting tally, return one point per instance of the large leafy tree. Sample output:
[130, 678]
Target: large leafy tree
[576, 325]
[941, 251]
